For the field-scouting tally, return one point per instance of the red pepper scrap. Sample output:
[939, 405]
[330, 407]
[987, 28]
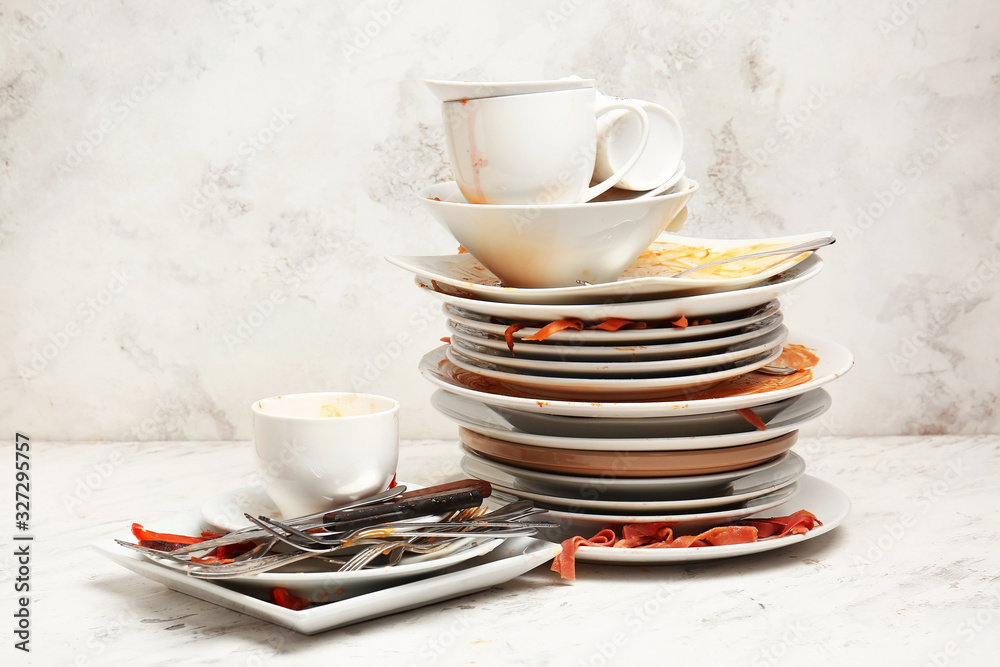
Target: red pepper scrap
[283, 598]
[617, 323]
[144, 535]
[169, 542]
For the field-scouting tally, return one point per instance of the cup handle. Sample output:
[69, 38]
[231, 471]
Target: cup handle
[611, 180]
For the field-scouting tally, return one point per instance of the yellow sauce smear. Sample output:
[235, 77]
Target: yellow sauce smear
[329, 411]
[671, 258]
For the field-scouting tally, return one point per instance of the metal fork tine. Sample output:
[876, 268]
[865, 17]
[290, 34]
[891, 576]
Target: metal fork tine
[283, 538]
[258, 551]
[289, 529]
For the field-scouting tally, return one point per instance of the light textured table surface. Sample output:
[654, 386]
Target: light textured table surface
[911, 578]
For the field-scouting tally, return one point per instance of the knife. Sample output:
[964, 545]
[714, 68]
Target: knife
[440, 499]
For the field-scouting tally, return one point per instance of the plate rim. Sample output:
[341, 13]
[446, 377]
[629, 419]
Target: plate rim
[768, 309]
[626, 409]
[645, 285]
[774, 338]
[694, 554]
[785, 494]
[617, 349]
[625, 386]
[662, 505]
[698, 305]
[629, 444]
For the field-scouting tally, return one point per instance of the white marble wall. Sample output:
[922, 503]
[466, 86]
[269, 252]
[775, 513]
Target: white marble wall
[195, 197]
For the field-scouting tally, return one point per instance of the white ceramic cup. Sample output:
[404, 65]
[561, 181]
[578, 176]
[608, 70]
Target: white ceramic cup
[537, 148]
[316, 451]
[618, 135]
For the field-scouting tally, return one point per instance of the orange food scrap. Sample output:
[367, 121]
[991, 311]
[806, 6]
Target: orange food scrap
[616, 323]
[661, 536]
[681, 323]
[753, 418]
[565, 562]
[799, 523]
[508, 334]
[434, 198]
[553, 328]
[445, 339]
[462, 250]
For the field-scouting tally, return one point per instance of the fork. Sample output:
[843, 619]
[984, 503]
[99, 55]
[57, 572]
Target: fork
[815, 244]
[365, 556]
[270, 562]
[308, 521]
[484, 526]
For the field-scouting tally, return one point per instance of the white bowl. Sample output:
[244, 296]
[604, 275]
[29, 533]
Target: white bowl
[560, 244]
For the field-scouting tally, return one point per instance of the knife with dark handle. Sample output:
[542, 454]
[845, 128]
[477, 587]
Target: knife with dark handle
[484, 487]
[424, 504]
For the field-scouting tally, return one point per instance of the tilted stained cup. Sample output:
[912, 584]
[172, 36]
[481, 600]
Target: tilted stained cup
[318, 450]
[536, 148]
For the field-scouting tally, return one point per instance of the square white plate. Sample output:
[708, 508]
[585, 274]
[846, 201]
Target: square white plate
[511, 559]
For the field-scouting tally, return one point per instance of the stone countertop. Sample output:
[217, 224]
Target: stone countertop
[911, 578]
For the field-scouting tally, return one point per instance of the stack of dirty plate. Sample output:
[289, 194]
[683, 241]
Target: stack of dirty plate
[647, 399]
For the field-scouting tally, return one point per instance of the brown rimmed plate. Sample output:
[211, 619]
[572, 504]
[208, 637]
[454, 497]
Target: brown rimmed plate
[627, 464]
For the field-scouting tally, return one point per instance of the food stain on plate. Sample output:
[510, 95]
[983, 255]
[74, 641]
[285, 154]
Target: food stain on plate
[792, 355]
[669, 258]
